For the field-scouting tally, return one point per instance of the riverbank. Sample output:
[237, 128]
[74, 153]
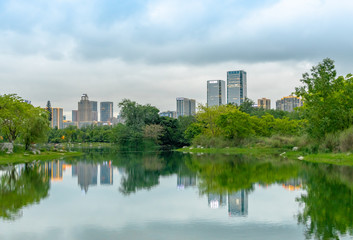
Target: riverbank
[29, 157]
[343, 159]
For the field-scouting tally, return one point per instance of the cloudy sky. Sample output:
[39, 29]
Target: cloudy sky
[153, 51]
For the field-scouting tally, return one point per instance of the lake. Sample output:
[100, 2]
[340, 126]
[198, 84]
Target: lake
[110, 195]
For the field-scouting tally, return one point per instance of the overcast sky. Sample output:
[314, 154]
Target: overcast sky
[152, 51]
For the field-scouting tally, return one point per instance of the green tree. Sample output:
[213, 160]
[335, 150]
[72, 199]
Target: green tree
[36, 127]
[50, 111]
[328, 101]
[20, 119]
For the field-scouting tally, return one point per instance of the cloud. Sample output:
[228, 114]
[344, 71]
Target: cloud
[150, 50]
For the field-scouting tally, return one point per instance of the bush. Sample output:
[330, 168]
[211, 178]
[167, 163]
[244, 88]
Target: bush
[330, 143]
[346, 140]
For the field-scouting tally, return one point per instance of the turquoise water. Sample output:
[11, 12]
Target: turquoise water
[106, 195]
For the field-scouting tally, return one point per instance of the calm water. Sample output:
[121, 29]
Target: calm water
[106, 195]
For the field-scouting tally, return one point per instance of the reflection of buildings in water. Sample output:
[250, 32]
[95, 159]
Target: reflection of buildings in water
[217, 200]
[238, 203]
[106, 173]
[53, 170]
[293, 184]
[186, 181]
[87, 175]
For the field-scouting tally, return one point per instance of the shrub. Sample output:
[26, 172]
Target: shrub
[346, 140]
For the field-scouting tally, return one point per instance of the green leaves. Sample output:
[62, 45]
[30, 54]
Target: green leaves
[20, 119]
[328, 101]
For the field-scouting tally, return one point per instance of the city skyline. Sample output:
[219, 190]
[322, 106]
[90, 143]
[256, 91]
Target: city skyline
[148, 51]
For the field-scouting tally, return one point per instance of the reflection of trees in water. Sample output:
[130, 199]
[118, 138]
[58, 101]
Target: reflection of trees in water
[328, 203]
[142, 171]
[228, 174]
[21, 188]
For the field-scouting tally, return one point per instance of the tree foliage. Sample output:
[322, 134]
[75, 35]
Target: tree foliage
[20, 119]
[328, 101]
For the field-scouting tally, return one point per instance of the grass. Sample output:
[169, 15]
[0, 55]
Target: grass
[345, 159]
[29, 157]
[233, 150]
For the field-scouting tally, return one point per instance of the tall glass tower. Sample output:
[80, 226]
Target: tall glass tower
[106, 109]
[216, 95]
[236, 87]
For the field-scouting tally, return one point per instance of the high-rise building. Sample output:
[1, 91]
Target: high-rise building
[94, 111]
[57, 118]
[236, 87]
[238, 203]
[185, 106]
[106, 110]
[87, 111]
[288, 103]
[74, 115]
[264, 103]
[216, 95]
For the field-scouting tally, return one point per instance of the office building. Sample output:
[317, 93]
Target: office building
[216, 95]
[74, 115]
[94, 111]
[264, 103]
[57, 118]
[185, 106]
[288, 103]
[87, 111]
[238, 203]
[171, 114]
[106, 111]
[236, 87]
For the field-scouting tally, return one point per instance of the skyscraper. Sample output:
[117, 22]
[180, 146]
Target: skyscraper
[216, 95]
[87, 111]
[57, 118]
[236, 87]
[264, 103]
[185, 107]
[106, 110]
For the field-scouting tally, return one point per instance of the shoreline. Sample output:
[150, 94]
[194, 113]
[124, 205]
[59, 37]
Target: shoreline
[342, 159]
[47, 155]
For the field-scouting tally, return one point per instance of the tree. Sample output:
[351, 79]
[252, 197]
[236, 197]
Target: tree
[20, 119]
[50, 111]
[36, 126]
[137, 116]
[328, 101]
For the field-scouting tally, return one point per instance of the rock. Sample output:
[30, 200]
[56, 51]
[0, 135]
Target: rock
[295, 148]
[34, 152]
[8, 147]
[301, 158]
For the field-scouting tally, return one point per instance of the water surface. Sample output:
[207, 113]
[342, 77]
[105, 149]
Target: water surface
[107, 195]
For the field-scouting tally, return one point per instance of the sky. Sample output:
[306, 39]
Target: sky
[153, 51]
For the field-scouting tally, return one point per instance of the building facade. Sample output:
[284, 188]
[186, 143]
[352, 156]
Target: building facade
[216, 95]
[288, 103]
[264, 103]
[185, 106]
[236, 87]
[106, 111]
[87, 111]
